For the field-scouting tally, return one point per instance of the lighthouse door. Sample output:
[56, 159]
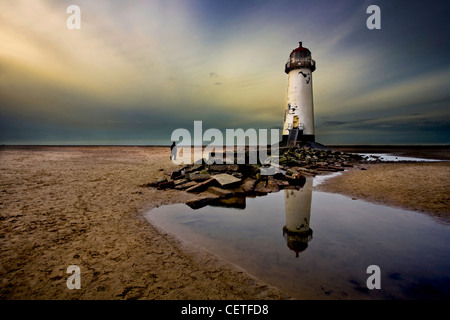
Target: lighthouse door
[295, 122]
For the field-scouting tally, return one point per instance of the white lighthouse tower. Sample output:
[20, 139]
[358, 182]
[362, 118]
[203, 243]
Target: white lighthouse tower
[299, 113]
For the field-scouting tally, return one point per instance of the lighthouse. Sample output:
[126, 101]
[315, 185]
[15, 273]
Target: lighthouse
[299, 111]
[297, 232]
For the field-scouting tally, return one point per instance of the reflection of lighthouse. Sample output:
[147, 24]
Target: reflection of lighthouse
[299, 113]
[298, 211]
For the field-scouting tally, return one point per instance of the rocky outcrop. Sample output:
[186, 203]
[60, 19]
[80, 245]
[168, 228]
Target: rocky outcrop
[224, 183]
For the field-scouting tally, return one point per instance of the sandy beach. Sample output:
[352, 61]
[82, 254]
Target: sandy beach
[62, 206]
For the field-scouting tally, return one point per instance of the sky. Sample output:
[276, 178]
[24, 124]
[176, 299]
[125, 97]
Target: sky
[138, 70]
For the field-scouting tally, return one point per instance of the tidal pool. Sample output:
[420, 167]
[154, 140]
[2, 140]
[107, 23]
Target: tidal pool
[317, 245]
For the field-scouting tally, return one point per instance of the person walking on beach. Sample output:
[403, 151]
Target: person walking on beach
[173, 151]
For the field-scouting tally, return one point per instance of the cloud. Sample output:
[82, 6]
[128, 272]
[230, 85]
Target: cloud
[419, 89]
[155, 62]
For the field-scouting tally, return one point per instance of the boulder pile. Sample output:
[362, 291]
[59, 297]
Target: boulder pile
[227, 184]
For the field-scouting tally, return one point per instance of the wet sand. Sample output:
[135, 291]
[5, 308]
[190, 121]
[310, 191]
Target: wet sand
[62, 206]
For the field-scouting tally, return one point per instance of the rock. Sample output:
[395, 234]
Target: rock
[237, 175]
[234, 202]
[345, 164]
[249, 170]
[282, 160]
[308, 173]
[198, 203]
[298, 180]
[180, 182]
[239, 180]
[272, 186]
[305, 170]
[199, 177]
[154, 184]
[200, 186]
[261, 189]
[220, 192]
[237, 192]
[166, 185]
[223, 168]
[186, 185]
[281, 183]
[279, 176]
[336, 168]
[248, 185]
[226, 180]
[291, 172]
[192, 168]
[176, 174]
[326, 169]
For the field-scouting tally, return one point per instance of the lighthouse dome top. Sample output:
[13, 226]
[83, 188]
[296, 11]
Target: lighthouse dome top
[300, 58]
[302, 49]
